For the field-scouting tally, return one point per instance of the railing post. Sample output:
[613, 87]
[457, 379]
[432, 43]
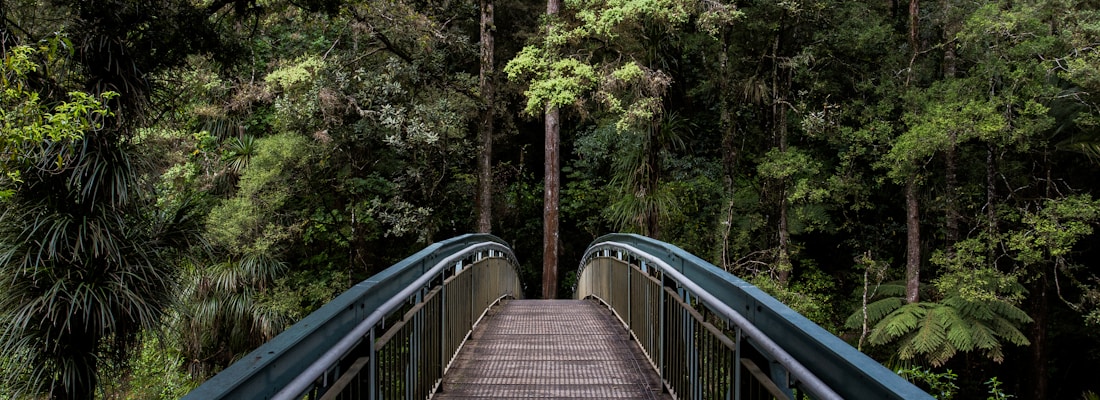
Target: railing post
[442, 328]
[372, 373]
[629, 298]
[688, 327]
[411, 366]
[471, 299]
[661, 295]
[736, 386]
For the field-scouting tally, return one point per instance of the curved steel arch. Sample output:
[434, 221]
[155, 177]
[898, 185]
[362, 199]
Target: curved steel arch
[817, 361]
[310, 357]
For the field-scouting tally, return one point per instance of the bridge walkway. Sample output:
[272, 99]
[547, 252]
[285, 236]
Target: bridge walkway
[551, 349]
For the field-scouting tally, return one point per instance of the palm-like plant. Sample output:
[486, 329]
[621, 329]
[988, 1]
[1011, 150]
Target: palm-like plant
[1076, 125]
[1086, 144]
[643, 200]
[85, 265]
[240, 152]
[221, 315]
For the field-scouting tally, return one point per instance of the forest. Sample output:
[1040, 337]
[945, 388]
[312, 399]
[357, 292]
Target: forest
[183, 179]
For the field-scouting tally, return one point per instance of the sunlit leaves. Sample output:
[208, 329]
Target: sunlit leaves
[1017, 34]
[563, 71]
[302, 71]
[634, 93]
[1053, 229]
[972, 276]
[32, 128]
[799, 169]
[250, 221]
[607, 18]
[555, 83]
[716, 15]
[941, 110]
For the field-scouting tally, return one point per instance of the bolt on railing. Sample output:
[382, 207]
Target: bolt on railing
[711, 335]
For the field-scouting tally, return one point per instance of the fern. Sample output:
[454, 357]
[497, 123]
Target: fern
[936, 331]
[891, 289]
[875, 312]
[932, 332]
[958, 332]
[1010, 312]
[898, 323]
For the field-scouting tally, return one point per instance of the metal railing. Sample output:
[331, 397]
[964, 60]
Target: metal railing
[391, 336]
[711, 335]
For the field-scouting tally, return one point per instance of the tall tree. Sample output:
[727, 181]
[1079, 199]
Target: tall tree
[951, 180]
[781, 87]
[485, 126]
[600, 52]
[552, 178]
[912, 202]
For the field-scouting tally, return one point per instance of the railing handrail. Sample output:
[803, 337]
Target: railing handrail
[845, 370]
[264, 371]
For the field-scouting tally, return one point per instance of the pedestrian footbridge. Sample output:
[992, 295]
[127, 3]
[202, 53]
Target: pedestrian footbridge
[650, 321]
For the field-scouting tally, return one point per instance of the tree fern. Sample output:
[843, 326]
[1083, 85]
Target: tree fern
[875, 311]
[933, 329]
[957, 331]
[898, 323]
[937, 331]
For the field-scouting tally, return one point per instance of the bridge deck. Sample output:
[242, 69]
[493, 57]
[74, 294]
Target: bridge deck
[551, 349]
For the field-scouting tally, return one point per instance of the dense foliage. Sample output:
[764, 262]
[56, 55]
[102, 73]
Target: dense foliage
[182, 179]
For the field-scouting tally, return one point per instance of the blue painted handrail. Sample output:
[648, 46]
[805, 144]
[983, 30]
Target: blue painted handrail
[842, 368]
[264, 371]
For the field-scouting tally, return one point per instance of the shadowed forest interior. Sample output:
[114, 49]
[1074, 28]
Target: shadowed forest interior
[184, 179]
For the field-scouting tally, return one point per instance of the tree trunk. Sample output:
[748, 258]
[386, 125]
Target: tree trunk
[550, 207]
[779, 112]
[729, 150]
[485, 128]
[1040, 307]
[950, 28]
[914, 44]
[951, 154]
[785, 267]
[951, 187]
[553, 184]
[1038, 381]
[912, 256]
[990, 193]
[914, 24]
[912, 205]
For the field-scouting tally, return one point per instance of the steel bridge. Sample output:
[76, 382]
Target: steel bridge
[649, 321]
